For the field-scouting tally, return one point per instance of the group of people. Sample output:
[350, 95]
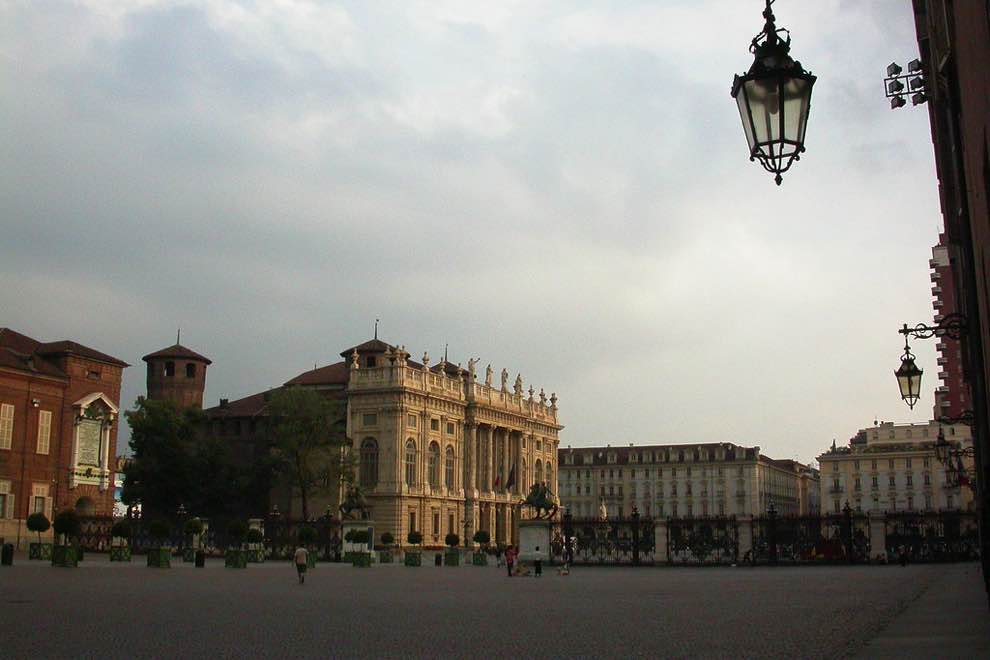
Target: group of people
[510, 557]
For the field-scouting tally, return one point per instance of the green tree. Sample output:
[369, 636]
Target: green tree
[163, 472]
[308, 433]
[176, 463]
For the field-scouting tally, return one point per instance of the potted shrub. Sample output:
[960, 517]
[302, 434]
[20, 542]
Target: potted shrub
[256, 549]
[37, 522]
[307, 539]
[159, 554]
[385, 555]
[482, 538]
[192, 529]
[66, 526]
[120, 550]
[360, 558]
[235, 556]
[452, 557]
[414, 557]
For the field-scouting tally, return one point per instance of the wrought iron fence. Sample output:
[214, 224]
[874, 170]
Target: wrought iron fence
[281, 535]
[628, 541]
[817, 538]
[932, 536]
[698, 541]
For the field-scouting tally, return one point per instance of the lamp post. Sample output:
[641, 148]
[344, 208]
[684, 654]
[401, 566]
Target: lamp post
[774, 98]
[772, 532]
[909, 374]
[897, 85]
[951, 456]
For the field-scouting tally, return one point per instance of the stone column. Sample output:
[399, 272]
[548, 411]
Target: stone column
[745, 537]
[470, 445]
[505, 458]
[660, 536]
[878, 534]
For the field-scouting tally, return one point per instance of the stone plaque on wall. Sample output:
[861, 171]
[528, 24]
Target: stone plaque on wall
[88, 442]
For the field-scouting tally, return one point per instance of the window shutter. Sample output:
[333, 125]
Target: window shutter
[44, 431]
[10, 505]
[6, 425]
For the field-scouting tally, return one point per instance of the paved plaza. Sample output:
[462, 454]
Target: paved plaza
[395, 611]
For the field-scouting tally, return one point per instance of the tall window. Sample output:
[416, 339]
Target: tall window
[448, 468]
[44, 430]
[410, 463]
[538, 471]
[170, 369]
[433, 465]
[190, 370]
[6, 425]
[369, 463]
[525, 474]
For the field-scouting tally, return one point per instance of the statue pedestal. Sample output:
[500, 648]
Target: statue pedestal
[534, 540]
[358, 525]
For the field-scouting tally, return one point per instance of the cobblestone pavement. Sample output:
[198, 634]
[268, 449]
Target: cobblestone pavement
[130, 611]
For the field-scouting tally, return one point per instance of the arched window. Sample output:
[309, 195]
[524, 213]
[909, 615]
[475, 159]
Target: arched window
[369, 463]
[538, 471]
[433, 465]
[448, 468]
[549, 476]
[410, 463]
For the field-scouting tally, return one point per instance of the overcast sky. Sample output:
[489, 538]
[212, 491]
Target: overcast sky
[559, 188]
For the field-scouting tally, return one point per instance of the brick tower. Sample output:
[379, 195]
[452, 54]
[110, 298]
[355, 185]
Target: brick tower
[177, 374]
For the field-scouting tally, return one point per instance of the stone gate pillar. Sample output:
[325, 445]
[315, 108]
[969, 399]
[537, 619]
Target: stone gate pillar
[878, 535]
[744, 535]
[660, 540]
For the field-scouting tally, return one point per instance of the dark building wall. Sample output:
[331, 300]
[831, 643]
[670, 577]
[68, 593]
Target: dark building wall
[954, 42]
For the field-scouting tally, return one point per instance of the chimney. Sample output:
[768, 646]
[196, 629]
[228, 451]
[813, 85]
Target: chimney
[224, 403]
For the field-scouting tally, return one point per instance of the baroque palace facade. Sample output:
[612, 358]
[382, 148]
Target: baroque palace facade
[441, 450]
[58, 430]
[676, 481]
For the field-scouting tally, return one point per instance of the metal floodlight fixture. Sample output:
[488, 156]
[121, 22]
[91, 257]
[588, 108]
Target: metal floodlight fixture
[774, 98]
[919, 98]
[916, 82]
[895, 87]
[897, 102]
[913, 66]
[893, 69]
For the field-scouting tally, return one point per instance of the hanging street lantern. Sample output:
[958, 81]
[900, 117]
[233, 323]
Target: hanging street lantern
[774, 98]
[909, 377]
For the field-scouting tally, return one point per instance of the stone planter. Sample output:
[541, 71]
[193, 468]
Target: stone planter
[120, 553]
[42, 551]
[235, 558]
[159, 557]
[64, 556]
[256, 555]
[414, 558]
[385, 557]
[188, 555]
[361, 559]
[479, 559]
[452, 558]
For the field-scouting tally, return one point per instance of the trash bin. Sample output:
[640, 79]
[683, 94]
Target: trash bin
[7, 555]
[200, 558]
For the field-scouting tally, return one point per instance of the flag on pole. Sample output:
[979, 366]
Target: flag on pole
[511, 481]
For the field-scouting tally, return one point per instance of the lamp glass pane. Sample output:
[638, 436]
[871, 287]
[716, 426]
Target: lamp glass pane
[744, 115]
[797, 95]
[764, 104]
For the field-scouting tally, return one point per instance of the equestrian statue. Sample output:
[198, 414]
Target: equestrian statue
[542, 501]
[354, 502]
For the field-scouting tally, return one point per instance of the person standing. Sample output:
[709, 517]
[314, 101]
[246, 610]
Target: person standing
[510, 558]
[301, 558]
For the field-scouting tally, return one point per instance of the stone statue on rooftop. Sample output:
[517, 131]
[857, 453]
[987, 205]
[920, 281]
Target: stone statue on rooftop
[488, 375]
[505, 379]
[518, 386]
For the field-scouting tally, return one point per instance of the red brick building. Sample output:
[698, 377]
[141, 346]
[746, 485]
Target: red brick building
[177, 374]
[58, 429]
[952, 397]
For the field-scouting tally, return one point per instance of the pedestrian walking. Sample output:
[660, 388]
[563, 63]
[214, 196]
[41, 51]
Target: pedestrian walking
[499, 558]
[510, 558]
[301, 558]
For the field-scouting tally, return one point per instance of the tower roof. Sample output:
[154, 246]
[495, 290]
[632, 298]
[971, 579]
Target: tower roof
[177, 351]
[370, 346]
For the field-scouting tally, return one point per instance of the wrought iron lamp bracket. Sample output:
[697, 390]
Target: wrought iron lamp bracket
[952, 326]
